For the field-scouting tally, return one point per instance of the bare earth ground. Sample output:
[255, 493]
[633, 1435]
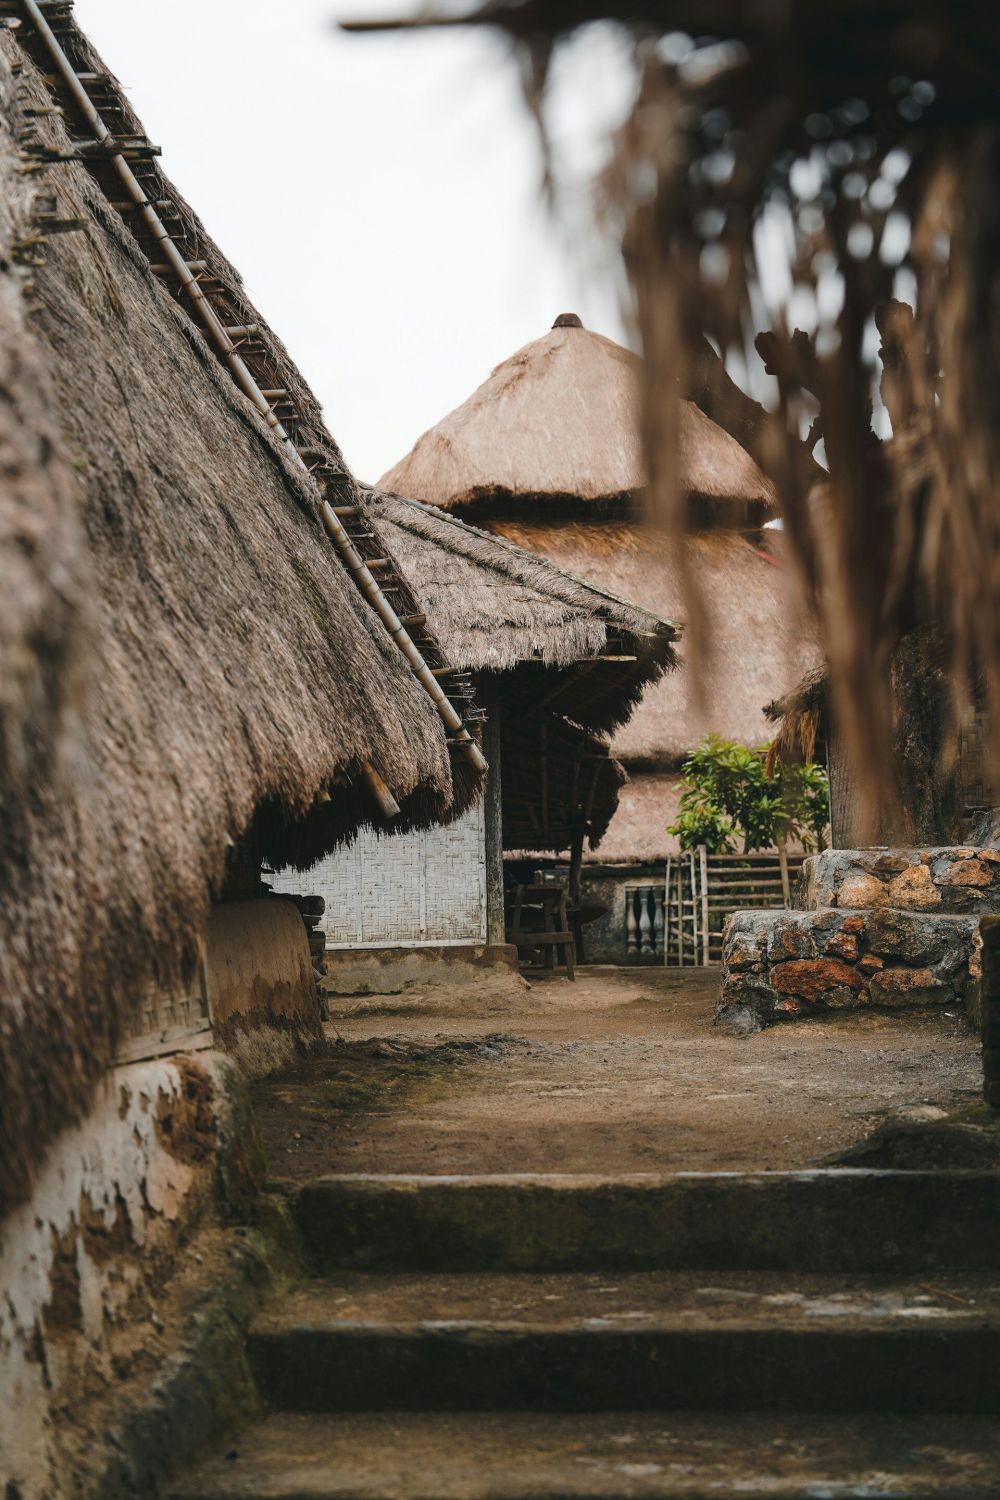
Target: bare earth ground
[622, 1071]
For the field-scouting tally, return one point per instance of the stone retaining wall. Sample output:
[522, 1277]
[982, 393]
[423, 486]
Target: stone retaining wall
[780, 965]
[931, 880]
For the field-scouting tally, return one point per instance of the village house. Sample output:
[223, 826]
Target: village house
[546, 454]
[610, 1249]
[203, 667]
[557, 664]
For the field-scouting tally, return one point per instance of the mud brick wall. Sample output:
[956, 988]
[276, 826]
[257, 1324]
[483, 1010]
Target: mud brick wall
[781, 965]
[940, 880]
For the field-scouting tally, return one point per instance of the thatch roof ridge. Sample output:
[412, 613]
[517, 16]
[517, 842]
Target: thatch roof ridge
[560, 419]
[530, 569]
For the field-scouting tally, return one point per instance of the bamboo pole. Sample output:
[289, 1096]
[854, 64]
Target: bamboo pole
[786, 885]
[388, 805]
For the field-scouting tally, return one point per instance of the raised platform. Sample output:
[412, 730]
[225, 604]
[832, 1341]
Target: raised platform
[390, 971]
[784, 964]
[878, 928]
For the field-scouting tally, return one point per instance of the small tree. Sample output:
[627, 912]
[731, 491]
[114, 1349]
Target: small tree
[728, 794]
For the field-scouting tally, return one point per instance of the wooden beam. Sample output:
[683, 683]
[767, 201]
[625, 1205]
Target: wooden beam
[545, 776]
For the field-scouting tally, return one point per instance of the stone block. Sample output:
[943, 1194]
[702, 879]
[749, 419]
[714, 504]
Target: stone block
[860, 890]
[891, 864]
[908, 936]
[898, 987]
[842, 945]
[745, 991]
[789, 938]
[913, 889]
[813, 978]
[974, 872]
[843, 998]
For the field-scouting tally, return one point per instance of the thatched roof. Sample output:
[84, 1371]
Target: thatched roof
[800, 716]
[570, 660]
[647, 803]
[182, 657]
[560, 420]
[495, 606]
[759, 646]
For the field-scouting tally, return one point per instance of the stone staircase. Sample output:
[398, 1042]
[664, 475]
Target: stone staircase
[886, 928]
[828, 1333]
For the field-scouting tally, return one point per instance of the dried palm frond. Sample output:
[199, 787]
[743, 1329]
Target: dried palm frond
[859, 140]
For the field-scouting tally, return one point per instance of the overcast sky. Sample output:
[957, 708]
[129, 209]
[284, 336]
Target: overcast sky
[379, 195]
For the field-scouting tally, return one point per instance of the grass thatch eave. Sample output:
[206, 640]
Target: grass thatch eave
[801, 717]
[498, 608]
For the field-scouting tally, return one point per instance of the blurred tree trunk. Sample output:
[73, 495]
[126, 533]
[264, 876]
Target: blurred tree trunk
[919, 801]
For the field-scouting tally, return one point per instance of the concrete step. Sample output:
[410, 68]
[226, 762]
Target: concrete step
[834, 1219]
[602, 1457]
[638, 1341]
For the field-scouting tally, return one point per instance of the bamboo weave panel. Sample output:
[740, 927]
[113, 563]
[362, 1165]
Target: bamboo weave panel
[426, 887]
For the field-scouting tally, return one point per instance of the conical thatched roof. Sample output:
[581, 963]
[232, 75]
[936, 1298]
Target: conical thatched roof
[759, 646]
[560, 420]
[182, 656]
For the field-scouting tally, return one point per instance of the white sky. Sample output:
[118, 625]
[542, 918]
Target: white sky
[379, 195]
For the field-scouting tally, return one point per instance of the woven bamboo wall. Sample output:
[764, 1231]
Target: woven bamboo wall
[427, 887]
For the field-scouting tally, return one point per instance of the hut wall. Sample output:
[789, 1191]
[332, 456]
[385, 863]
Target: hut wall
[402, 890]
[88, 1266]
[260, 983]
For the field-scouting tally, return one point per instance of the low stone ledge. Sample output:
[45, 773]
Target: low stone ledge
[960, 879]
[784, 964]
[390, 971]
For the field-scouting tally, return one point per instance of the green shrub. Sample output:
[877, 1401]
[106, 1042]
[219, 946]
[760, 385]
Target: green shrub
[728, 795]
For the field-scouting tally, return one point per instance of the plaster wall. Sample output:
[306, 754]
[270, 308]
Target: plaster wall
[85, 1260]
[390, 971]
[257, 962]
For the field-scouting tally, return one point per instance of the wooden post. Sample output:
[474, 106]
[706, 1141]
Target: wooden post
[990, 929]
[703, 876]
[786, 884]
[493, 812]
[575, 866]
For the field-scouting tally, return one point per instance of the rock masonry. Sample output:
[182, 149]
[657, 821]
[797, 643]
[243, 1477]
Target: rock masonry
[882, 928]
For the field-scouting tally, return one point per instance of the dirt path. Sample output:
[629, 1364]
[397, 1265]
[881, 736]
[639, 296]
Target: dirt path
[621, 1072]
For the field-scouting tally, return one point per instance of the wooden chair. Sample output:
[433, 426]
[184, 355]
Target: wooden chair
[546, 906]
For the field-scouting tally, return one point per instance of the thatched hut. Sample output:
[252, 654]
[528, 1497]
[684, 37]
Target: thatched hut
[189, 679]
[546, 454]
[558, 664]
[193, 677]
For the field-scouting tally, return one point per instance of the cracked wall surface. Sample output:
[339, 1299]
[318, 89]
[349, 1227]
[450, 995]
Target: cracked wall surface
[85, 1264]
